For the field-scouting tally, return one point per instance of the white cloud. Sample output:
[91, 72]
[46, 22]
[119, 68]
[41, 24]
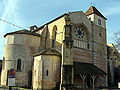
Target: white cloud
[9, 7]
[111, 11]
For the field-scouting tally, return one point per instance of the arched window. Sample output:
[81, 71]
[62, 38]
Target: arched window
[54, 33]
[3, 63]
[46, 72]
[19, 65]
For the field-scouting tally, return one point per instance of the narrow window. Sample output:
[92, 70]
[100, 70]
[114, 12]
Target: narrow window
[99, 21]
[54, 33]
[3, 63]
[100, 34]
[53, 43]
[46, 72]
[19, 65]
[88, 46]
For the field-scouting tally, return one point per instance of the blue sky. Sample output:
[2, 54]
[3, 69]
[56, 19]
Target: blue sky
[25, 13]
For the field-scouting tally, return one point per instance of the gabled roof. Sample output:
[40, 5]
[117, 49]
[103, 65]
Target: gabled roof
[50, 51]
[93, 10]
[41, 27]
[87, 69]
[23, 32]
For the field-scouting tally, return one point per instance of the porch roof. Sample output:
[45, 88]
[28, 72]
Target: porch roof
[87, 69]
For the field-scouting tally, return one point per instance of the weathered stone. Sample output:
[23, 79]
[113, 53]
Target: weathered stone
[69, 38]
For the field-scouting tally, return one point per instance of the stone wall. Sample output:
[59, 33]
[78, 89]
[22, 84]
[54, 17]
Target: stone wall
[46, 71]
[19, 46]
[82, 55]
[47, 34]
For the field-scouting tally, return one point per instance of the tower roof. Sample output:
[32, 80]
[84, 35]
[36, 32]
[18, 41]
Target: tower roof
[93, 10]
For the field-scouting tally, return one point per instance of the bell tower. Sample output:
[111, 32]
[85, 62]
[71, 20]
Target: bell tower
[98, 22]
[95, 16]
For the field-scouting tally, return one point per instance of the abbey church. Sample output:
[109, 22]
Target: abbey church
[68, 52]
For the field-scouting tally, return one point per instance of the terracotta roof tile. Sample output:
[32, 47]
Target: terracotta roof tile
[93, 10]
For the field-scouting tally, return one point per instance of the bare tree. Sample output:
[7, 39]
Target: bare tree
[116, 37]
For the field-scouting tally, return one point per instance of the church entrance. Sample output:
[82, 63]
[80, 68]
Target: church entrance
[78, 81]
[85, 74]
[88, 81]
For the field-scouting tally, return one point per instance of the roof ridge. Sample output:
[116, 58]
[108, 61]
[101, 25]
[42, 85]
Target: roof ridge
[93, 10]
[22, 32]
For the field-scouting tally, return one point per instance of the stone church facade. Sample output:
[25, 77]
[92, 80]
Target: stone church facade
[67, 52]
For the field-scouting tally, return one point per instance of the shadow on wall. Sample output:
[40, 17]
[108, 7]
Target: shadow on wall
[48, 41]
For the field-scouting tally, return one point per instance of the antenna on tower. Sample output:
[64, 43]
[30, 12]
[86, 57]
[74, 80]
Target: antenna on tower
[91, 3]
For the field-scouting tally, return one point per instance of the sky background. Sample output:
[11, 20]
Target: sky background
[26, 13]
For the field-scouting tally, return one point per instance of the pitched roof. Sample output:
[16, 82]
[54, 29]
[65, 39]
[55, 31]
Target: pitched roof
[41, 27]
[50, 51]
[87, 69]
[23, 32]
[93, 10]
